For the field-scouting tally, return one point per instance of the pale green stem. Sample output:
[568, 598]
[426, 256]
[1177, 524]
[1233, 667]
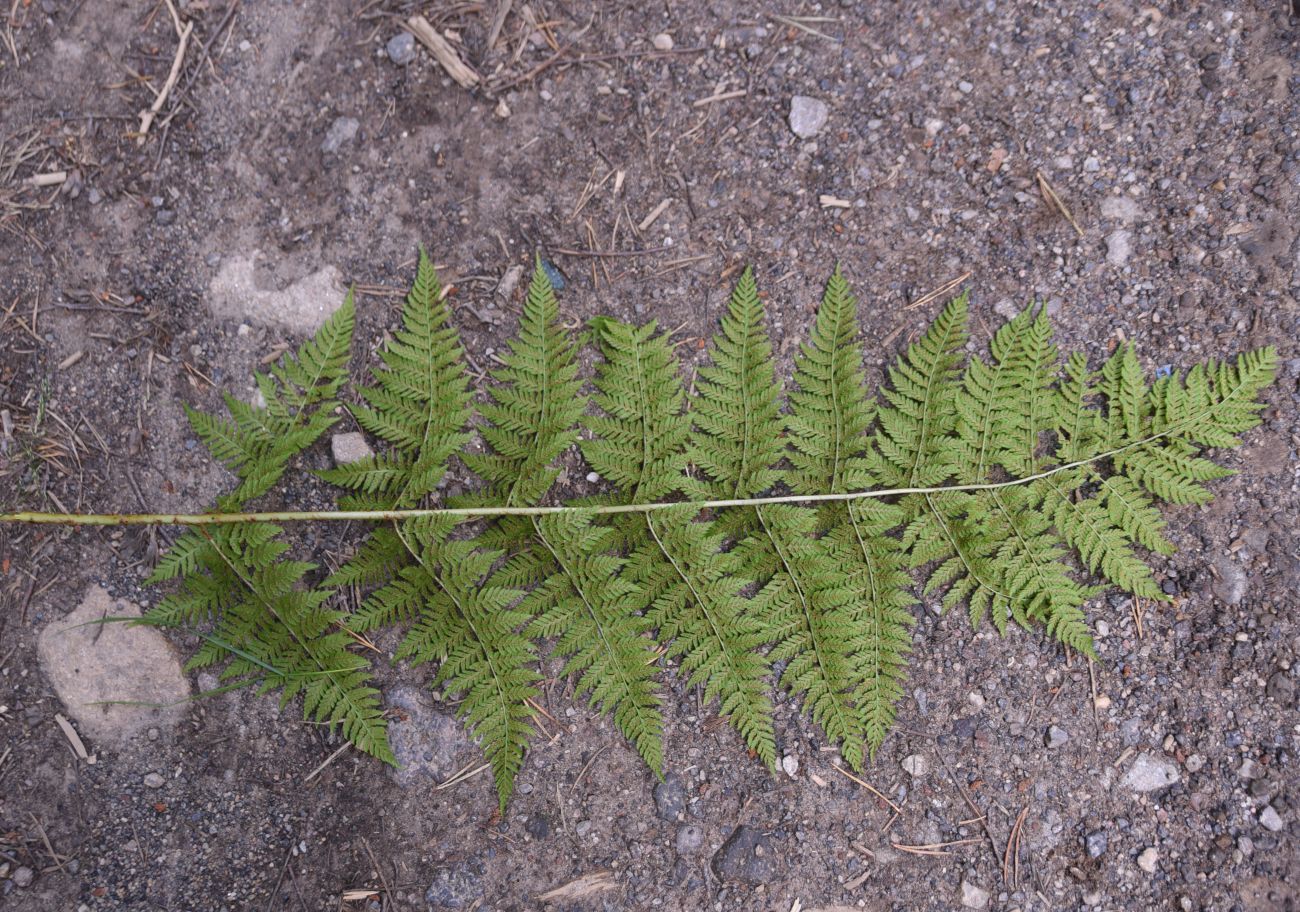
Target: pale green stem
[207, 519]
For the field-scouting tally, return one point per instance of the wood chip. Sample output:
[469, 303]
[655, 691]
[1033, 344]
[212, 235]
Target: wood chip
[78, 746]
[720, 96]
[71, 359]
[584, 886]
[442, 52]
[654, 214]
[834, 202]
[49, 179]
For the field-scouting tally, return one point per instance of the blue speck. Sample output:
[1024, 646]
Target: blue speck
[1164, 370]
[553, 274]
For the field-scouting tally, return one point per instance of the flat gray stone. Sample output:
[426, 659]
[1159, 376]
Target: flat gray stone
[807, 116]
[1230, 582]
[1119, 247]
[429, 744]
[340, 133]
[973, 896]
[1150, 773]
[349, 448]
[89, 663]
[301, 306]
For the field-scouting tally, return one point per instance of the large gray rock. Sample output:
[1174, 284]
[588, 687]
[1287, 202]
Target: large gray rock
[97, 669]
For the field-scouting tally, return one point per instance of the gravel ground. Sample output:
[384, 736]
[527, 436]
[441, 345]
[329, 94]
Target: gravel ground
[308, 146]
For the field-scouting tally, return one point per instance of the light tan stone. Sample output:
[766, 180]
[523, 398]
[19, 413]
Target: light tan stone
[89, 663]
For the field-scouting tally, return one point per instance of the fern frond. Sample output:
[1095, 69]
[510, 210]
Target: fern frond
[686, 587]
[1024, 482]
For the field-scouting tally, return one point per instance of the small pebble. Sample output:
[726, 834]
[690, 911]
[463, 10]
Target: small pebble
[1056, 737]
[23, 876]
[154, 780]
[340, 133]
[1270, 820]
[807, 116]
[690, 838]
[663, 42]
[973, 896]
[916, 765]
[1148, 860]
[790, 763]
[401, 48]
[1096, 842]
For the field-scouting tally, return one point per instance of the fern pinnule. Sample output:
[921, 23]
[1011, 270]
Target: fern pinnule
[468, 626]
[738, 431]
[533, 406]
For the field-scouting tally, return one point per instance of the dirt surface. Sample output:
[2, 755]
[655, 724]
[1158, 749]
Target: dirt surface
[294, 154]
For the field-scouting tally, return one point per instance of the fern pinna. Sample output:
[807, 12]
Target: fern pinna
[238, 591]
[743, 535]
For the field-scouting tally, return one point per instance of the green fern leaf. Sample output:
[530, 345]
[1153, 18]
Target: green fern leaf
[686, 587]
[912, 440]
[587, 606]
[469, 628]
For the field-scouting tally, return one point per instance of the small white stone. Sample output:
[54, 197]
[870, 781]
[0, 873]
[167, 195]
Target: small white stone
[662, 42]
[976, 699]
[965, 87]
[502, 109]
[1119, 247]
[916, 765]
[807, 116]
[154, 780]
[790, 763]
[973, 896]
[1148, 860]
[593, 477]
[1270, 820]
[349, 448]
